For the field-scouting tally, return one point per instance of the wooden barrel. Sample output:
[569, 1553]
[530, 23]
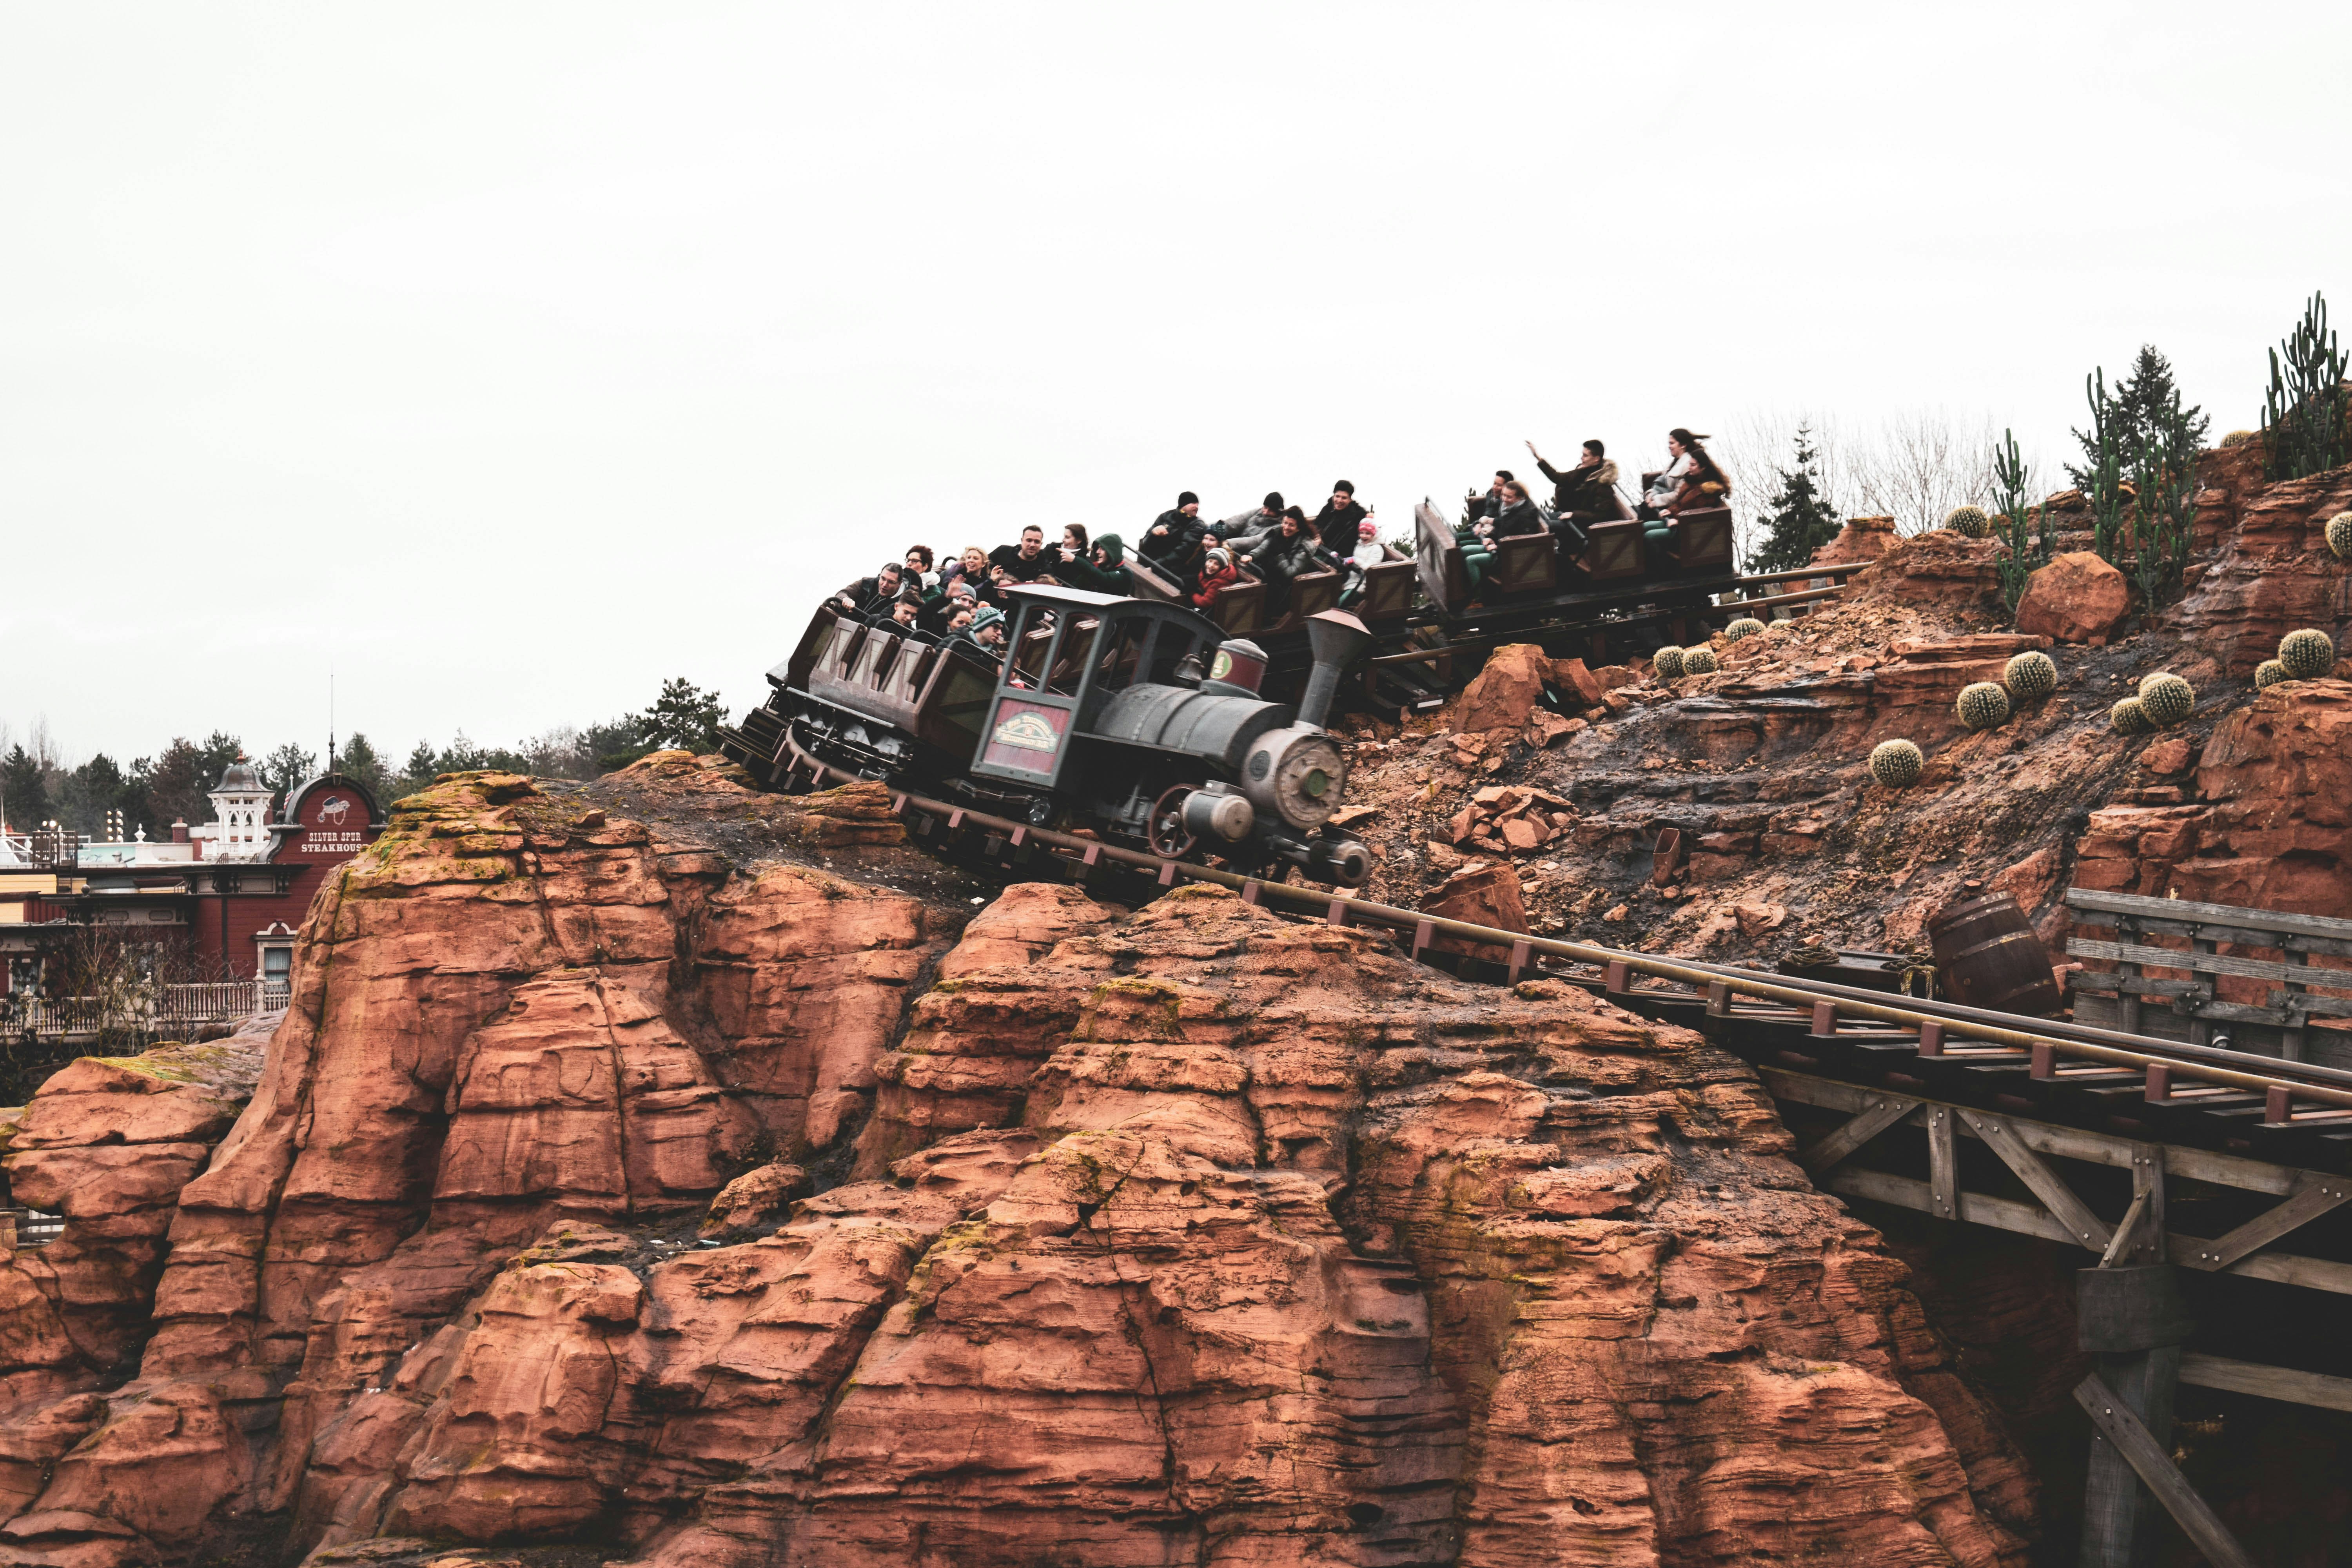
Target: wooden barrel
[1987, 956]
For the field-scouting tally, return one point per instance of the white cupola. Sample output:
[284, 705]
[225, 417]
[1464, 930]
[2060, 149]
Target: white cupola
[239, 829]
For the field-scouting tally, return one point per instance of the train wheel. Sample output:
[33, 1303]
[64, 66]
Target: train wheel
[1166, 835]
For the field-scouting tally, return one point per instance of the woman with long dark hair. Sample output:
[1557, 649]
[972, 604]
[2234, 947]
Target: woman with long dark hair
[1693, 480]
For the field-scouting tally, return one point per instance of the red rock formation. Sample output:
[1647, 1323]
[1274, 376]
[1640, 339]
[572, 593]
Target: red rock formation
[1187, 1232]
[1940, 571]
[1504, 691]
[2273, 828]
[1578, 687]
[1480, 895]
[108, 1143]
[511, 1014]
[2273, 573]
[1862, 538]
[1512, 1171]
[2077, 599]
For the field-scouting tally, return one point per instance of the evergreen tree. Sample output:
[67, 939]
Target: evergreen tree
[358, 760]
[1802, 518]
[616, 744]
[24, 797]
[286, 767]
[684, 717]
[172, 786]
[2141, 416]
[92, 790]
[419, 770]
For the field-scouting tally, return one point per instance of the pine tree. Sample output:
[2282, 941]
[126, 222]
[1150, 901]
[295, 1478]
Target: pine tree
[686, 717]
[418, 772]
[1803, 520]
[357, 760]
[2144, 408]
[288, 766]
[24, 798]
[91, 791]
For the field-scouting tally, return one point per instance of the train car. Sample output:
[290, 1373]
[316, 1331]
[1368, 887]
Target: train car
[1141, 720]
[1615, 598]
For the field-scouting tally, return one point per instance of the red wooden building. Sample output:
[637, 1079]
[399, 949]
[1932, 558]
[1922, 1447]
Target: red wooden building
[233, 889]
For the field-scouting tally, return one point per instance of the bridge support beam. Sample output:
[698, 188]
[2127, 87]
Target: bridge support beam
[2135, 1320]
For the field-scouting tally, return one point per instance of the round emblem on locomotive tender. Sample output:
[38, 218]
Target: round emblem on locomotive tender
[1222, 665]
[1258, 764]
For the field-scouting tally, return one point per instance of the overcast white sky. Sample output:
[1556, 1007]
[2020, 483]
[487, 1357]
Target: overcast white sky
[512, 358]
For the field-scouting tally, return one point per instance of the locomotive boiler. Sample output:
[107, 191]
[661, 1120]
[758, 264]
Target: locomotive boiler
[1136, 719]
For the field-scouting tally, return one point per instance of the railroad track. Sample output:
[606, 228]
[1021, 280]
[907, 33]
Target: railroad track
[2287, 1112]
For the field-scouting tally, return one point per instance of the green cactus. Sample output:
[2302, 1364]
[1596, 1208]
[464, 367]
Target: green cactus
[2165, 699]
[1982, 705]
[1667, 662]
[2031, 676]
[2127, 718]
[2269, 673]
[1699, 660]
[2237, 439]
[2340, 534]
[1896, 763]
[2307, 654]
[1745, 626]
[1968, 521]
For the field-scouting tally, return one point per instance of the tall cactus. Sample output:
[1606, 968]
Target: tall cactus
[2304, 412]
[2164, 505]
[2106, 472]
[2028, 552]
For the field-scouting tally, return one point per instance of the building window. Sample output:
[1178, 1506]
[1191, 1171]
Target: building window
[276, 966]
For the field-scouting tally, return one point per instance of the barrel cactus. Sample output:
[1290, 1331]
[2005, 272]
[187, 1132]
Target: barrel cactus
[2031, 676]
[2237, 437]
[1745, 626]
[1982, 705]
[1667, 662]
[2340, 534]
[1896, 763]
[1699, 660]
[2127, 718]
[2307, 654]
[1968, 521]
[2269, 673]
[2165, 699]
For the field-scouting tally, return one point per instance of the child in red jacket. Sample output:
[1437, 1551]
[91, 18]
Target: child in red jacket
[1218, 573]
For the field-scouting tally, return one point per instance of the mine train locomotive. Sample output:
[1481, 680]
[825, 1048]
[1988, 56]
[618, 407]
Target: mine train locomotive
[1137, 719]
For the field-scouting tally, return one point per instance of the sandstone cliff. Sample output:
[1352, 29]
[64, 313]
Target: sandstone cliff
[1180, 1234]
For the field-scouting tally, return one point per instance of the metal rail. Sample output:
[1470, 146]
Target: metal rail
[2044, 1042]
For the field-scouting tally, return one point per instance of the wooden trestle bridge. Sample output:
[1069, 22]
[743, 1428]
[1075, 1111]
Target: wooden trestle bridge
[2072, 1133]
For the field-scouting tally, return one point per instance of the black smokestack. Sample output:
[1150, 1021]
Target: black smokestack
[1338, 639]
